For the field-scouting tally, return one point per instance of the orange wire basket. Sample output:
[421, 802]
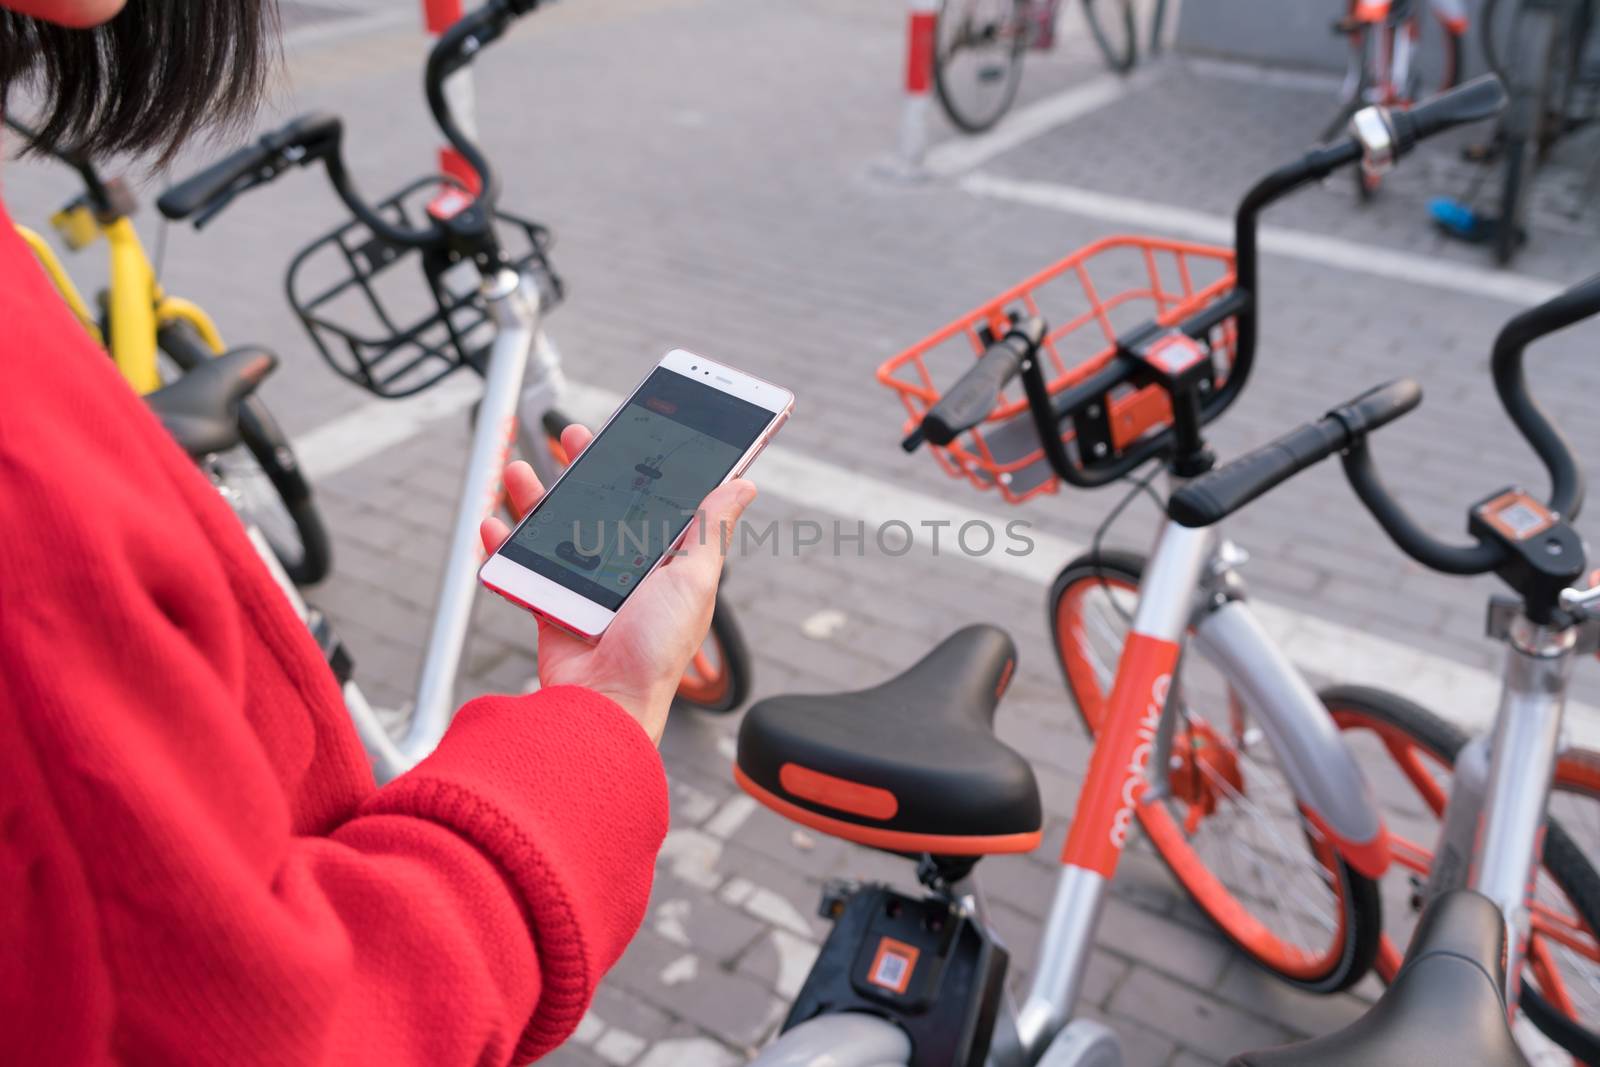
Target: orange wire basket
[1088, 298]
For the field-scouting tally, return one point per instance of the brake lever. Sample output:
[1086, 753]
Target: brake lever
[259, 177]
[1580, 601]
[211, 210]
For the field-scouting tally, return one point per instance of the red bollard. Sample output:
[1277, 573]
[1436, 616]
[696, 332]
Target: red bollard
[438, 16]
[922, 29]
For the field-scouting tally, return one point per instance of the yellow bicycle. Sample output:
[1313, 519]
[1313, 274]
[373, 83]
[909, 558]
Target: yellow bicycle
[154, 339]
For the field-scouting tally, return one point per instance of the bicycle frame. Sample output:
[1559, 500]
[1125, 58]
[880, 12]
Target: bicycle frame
[1493, 823]
[522, 380]
[1191, 601]
[138, 306]
[1189, 585]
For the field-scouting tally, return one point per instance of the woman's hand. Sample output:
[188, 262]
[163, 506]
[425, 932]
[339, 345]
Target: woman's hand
[641, 658]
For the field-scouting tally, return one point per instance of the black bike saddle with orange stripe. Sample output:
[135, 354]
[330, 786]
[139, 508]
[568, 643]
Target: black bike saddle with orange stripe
[911, 765]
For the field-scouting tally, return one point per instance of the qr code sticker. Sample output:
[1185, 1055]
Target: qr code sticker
[892, 966]
[891, 971]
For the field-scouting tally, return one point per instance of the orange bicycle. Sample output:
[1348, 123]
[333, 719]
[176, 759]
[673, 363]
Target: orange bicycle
[1204, 732]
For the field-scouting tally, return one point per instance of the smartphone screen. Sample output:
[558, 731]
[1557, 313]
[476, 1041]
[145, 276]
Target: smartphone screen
[631, 493]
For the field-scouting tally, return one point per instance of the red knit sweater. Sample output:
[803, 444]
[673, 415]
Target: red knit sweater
[195, 866]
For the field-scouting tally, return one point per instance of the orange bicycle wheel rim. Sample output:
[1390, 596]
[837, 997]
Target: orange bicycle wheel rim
[1551, 927]
[1169, 836]
[707, 680]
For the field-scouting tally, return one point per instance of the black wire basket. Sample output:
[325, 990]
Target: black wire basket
[396, 331]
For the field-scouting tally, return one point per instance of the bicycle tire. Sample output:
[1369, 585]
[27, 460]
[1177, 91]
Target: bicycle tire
[1118, 36]
[1367, 185]
[1355, 939]
[727, 686]
[1535, 40]
[1011, 34]
[1489, 46]
[1563, 859]
[306, 553]
[1358, 97]
[1453, 45]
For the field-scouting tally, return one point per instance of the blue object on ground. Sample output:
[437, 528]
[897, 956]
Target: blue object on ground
[1460, 220]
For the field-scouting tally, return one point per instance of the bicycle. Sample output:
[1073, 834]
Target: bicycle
[139, 323]
[485, 282]
[1384, 37]
[912, 766]
[1540, 65]
[979, 46]
[1494, 809]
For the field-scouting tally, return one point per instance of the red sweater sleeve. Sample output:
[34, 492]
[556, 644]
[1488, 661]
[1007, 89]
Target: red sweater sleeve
[538, 815]
[194, 864]
[564, 795]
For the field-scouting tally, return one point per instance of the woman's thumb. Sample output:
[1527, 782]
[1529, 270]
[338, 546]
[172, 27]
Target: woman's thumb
[719, 518]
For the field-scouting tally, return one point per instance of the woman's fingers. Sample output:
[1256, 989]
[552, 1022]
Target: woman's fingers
[575, 439]
[522, 486]
[493, 532]
[713, 528]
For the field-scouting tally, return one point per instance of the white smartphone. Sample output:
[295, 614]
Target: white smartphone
[625, 502]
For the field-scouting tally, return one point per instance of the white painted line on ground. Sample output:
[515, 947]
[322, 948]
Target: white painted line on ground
[1520, 289]
[359, 435]
[961, 154]
[1463, 694]
[1265, 77]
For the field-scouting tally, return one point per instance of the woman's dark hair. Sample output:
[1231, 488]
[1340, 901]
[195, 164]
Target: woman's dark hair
[157, 72]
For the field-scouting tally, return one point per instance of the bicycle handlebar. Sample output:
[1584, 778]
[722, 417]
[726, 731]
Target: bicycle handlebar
[1580, 302]
[1217, 494]
[974, 395]
[97, 188]
[319, 137]
[1467, 103]
[1475, 100]
[1472, 101]
[302, 140]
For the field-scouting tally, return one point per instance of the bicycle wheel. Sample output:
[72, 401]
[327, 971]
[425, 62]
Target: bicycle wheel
[977, 59]
[269, 488]
[1561, 988]
[1357, 84]
[1112, 24]
[718, 678]
[1453, 43]
[1534, 43]
[1222, 815]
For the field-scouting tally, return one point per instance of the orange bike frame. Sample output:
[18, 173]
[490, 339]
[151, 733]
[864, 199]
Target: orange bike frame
[1182, 577]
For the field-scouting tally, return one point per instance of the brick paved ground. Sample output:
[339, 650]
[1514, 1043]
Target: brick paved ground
[707, 167]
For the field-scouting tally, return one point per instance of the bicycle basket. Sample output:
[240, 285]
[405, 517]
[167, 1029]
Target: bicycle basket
[1088, 299]
[395, 331]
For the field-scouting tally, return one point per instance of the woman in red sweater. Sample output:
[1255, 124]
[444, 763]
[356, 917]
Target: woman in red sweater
[195, 866]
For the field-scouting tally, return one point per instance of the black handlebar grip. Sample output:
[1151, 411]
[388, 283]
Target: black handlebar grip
[194, 193]
[316, 134]
[1215, 495]
[1378, 407]
[1478, 99]
[973, 396]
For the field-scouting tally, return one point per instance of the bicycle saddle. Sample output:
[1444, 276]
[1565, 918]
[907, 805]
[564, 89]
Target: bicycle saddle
[1446, 1007]
[911, 765]
[201, 409]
